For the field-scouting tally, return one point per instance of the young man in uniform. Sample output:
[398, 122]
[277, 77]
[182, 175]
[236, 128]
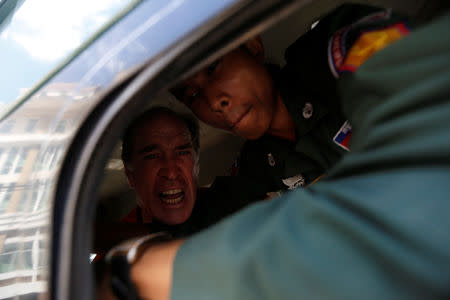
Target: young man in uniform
[291, 118]
[377, 228]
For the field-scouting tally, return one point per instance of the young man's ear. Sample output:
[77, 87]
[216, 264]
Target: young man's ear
[256, 48]
[130, 177]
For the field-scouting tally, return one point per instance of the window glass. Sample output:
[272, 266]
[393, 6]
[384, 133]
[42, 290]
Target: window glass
[61, 126]
[7, 127]
[8, 257]
[24, 200]
[43, 33]
[56, 158]
[39, 189]
[4, 201]
[22, 159]
[31, 125]
[44, 194]
[9, 160]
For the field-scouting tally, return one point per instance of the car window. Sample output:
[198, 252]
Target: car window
[38, 35]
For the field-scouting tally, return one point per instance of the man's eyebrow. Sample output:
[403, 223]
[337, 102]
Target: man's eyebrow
[148, 148]
[184, 146]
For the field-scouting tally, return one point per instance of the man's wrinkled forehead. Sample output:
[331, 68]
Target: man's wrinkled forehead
[169, 135]
[167, 129]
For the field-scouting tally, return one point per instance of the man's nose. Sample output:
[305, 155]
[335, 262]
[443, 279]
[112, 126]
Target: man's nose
[218, 101]
[169, 169]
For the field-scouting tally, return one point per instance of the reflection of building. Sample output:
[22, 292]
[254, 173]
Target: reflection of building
[32, 143]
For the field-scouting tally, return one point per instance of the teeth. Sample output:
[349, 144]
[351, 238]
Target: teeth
[173, 201]
[172, 196]
[172, 192]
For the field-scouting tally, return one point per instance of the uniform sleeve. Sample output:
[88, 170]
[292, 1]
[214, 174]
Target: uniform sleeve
[378, 227]
[307, 74]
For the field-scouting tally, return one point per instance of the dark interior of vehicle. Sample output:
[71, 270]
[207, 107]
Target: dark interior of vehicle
[218, 148]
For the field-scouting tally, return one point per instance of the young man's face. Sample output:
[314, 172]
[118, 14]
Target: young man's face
[162, 169]
[235, 93]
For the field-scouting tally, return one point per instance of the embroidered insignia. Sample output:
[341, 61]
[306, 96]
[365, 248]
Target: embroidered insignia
[371, 42]
[342, 137]
[307, 110]
[294, 182]
[270, 159]
[336, 51]
[338, 47]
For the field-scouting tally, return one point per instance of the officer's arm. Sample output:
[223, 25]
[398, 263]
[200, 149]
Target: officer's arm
[153, 272]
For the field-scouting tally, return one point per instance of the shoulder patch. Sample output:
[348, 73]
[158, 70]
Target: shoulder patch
[346, 56]
[371, 42]
[342, 137]
[337, 51]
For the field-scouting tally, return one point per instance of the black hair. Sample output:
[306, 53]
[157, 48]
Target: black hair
[190, 121]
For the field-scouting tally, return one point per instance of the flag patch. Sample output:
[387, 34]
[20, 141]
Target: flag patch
[342, 137]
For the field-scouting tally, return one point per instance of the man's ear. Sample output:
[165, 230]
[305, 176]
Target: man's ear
[256, 48]
[130, 177]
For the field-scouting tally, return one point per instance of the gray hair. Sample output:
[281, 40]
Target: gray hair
[190, 121]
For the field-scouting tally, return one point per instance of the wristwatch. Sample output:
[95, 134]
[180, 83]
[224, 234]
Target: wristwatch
[123, 256]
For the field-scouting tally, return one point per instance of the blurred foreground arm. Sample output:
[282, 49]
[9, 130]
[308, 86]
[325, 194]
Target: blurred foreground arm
[153, 273]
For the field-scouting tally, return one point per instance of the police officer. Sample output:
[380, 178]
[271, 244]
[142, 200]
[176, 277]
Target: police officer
[291, 118]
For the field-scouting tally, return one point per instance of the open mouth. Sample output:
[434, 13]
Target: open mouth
[172, 197]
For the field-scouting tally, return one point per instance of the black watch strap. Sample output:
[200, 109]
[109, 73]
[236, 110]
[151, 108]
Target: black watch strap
[121, 284]
[123, 256]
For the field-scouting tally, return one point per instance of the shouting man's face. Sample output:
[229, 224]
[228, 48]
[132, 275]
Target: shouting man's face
[162, 169]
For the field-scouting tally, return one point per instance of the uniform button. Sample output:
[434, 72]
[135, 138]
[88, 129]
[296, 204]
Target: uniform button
[307, 110]
[270, 159]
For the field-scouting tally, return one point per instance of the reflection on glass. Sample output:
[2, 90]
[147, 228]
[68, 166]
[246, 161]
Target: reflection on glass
[31, 125]
[61, 126]
[10, 160]
[7, 126]
[5, 196]
[21, 160]
[41, 34]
